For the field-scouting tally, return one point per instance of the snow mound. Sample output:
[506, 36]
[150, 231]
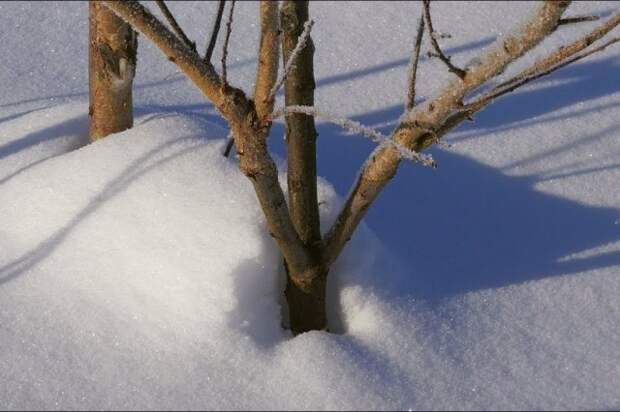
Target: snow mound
[136, 272]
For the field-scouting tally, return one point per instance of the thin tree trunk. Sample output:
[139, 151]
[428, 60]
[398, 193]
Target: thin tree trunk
[112, 64]
[307, 303]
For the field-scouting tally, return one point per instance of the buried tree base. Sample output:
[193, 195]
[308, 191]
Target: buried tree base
[306, 305]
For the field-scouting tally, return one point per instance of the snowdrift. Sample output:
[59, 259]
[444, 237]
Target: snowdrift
[136, 272]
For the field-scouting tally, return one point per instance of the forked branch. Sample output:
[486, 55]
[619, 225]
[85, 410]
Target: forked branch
[566, 51]
[563, 56]
[382, 164]
[433, 36]
[254, 159]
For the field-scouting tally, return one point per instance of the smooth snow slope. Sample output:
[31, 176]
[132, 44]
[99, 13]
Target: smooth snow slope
[136, 272]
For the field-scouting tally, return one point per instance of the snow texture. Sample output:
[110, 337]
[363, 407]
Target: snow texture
[137, 273]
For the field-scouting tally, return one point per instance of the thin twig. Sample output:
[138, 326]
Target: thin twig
[500, 91]
[229, 144]
[175, 26]
[301, 42]
[215, 31]
[358, 128]
[475, 106]
[439, 53]
[413, 65]
[577, 19]
[566, 51]
[226, 39]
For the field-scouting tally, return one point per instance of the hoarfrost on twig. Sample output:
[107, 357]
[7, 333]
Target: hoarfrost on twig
[358, 128]
[301, 43]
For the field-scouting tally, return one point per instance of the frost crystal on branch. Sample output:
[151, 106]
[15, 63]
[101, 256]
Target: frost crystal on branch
[360, 129]
[301, 43]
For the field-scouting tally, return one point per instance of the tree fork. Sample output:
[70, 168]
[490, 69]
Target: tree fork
[112, 64]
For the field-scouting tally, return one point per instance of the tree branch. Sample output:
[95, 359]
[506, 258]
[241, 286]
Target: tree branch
[298, 52]
[291, 60]
[201, 73]
[215, 31]
[468, 110]
[431, 32]
[566, 51]
[577, 19]
[268, 58]
[412, 132]
[230, 142]
[562, 57]
[226, 40]
[358, 128]
[413, 65]
[254, 159]
[175, 26]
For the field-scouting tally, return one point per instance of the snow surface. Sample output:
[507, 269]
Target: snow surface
[136, 272]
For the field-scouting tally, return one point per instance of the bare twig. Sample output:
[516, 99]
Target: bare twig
[487, 98]
[175, 26]
[226, 39]
[357, 128]
[562, 57]
[215, 31]
[413, 65]
[577, 19]
[230, 141]
[301, 42]
[565, 51]
[431, 32]
[469, 109]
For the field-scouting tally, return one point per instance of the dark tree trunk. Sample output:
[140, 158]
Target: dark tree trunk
[306, 301]
[112, 64]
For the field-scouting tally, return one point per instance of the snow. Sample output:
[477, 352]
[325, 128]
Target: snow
[136, 272]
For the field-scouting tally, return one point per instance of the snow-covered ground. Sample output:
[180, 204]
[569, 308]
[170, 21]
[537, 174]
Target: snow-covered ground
[136, 272]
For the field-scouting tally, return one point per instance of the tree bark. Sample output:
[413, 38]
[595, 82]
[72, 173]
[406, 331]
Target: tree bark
[112, 64]
[306, 303]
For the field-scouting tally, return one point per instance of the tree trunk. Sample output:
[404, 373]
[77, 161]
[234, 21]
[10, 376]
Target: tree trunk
[306, 301]
[112, 64]
[306, 305]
